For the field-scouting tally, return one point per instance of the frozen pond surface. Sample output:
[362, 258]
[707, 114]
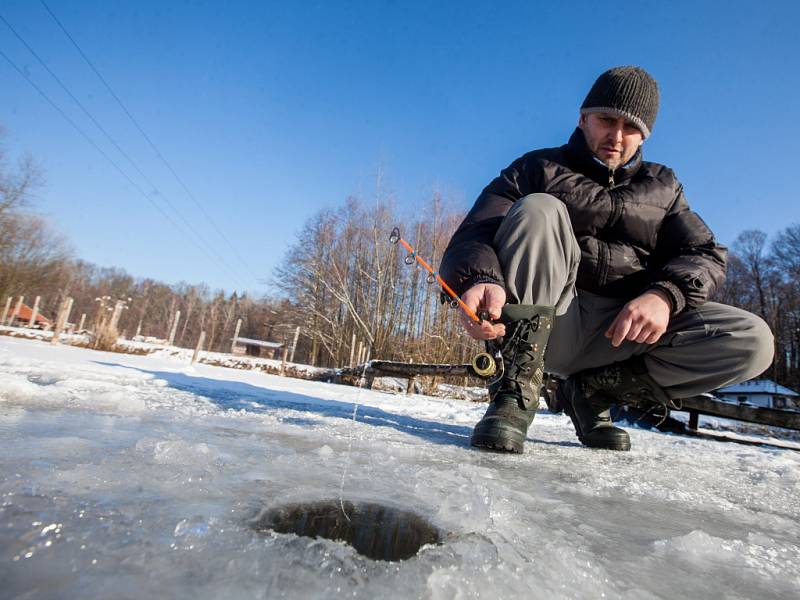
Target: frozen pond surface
[137, 477]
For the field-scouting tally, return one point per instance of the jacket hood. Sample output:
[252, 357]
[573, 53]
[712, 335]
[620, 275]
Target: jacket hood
[581, 159]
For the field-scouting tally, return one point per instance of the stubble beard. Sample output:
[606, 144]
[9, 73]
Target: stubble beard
[610, 162]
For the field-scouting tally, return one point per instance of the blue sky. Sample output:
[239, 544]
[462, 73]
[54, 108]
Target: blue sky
[270, 112]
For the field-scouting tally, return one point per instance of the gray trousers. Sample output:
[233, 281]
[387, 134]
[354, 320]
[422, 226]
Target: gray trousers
[703, 349]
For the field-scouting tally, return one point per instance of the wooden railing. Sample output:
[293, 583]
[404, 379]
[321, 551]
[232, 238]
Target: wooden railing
[704, 404]
[708, 405]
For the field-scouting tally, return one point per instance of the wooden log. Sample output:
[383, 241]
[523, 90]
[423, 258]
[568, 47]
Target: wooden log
[387, 367]
[707, 405]
[377, 368]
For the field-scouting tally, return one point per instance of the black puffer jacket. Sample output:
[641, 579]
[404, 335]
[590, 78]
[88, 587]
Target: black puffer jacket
[633, 225]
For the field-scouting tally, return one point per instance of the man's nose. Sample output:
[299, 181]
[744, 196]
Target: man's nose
[616, 134]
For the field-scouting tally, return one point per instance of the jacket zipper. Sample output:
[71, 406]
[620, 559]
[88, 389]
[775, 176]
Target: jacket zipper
[603, 258]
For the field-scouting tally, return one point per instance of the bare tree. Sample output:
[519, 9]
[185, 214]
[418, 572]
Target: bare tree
[18, 184]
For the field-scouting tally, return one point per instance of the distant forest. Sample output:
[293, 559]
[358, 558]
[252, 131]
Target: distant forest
[342, 283]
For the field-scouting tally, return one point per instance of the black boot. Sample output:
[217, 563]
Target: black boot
[591, 415]
[588, 396]
[515, 397]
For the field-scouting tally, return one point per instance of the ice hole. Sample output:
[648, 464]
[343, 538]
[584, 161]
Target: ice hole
[377, 531]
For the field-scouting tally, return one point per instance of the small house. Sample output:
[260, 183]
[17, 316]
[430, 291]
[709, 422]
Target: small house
[250, 347]
[24, 315]
[764, 393]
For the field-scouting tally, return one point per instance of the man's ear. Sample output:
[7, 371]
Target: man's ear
[581, 120]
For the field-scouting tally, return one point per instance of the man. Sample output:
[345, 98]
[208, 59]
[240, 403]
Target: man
[592, 267]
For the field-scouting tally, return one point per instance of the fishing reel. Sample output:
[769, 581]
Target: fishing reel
[484, 365]
[488, 364]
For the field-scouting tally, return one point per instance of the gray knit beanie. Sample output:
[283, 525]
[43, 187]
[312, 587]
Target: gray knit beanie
[629, 92]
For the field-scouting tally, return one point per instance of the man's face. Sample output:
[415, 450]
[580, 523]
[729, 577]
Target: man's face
[611, 138]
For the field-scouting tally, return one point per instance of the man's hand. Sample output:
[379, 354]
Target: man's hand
[643, 319]
[491, 298]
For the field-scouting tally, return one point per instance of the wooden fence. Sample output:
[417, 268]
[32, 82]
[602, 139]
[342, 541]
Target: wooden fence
[704, 404]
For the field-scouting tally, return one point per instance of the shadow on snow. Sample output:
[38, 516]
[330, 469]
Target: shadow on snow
[236, 395]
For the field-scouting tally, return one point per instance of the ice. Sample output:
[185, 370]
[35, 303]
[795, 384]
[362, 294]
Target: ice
[139, 476]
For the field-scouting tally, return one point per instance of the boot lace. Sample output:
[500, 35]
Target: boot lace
[651, 403]
[517, 346]
[644, 395]
[513, 351]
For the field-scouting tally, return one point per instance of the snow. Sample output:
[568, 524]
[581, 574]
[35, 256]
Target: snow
[758, 386]
[140, 476]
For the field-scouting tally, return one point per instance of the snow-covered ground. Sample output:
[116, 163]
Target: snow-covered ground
[140, 476]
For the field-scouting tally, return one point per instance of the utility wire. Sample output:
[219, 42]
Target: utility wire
[108, 158]
[150, 142]
[108, 136]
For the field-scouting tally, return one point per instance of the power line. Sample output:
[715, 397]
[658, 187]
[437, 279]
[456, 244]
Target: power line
[149, 141]
[106, 156]
[108, 136]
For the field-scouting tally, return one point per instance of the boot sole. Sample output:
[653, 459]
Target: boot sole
[621, 445]
[499, 439]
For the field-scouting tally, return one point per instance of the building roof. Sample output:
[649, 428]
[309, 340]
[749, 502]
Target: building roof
[261, 343]
[24, 315]
[758, 386]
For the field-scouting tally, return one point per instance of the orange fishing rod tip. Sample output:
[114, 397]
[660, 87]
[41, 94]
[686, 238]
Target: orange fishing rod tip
[395, 237]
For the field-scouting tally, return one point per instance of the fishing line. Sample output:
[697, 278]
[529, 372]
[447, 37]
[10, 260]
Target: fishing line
[350, 437]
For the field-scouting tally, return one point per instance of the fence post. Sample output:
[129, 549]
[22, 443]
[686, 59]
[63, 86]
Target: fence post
[34, 312]
[17, 308]
[83, 322]
[61, 320]
[352, 351]
[283, 359]
[236, 335]
[294, 343]
[199, 346]
[175, 328]
[118, 307]
[5, 311]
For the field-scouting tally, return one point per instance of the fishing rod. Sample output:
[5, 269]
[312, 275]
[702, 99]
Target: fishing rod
[484, 364]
